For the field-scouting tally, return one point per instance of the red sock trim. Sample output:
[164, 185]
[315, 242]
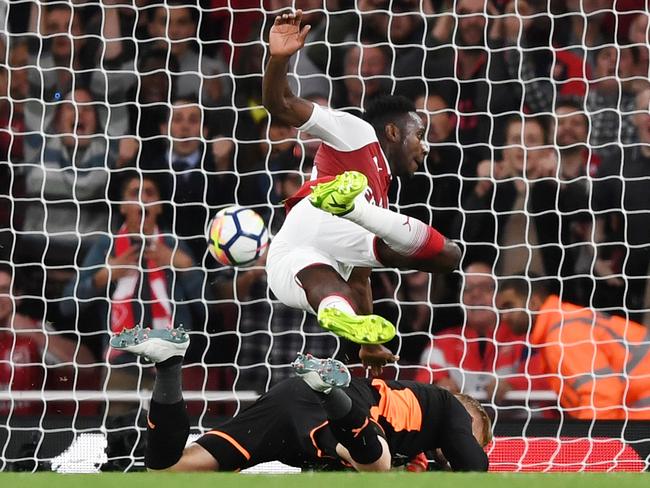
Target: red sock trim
[433, 245]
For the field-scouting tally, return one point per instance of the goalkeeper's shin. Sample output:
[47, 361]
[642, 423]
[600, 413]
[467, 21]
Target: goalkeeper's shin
[168, 428]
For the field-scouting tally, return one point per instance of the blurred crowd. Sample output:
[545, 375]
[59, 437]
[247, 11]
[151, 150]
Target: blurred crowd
[126, 124]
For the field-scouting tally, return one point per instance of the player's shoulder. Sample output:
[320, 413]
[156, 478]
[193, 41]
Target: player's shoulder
[345, 131]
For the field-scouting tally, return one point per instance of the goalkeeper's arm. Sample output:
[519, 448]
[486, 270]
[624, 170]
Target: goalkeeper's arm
[285, 39]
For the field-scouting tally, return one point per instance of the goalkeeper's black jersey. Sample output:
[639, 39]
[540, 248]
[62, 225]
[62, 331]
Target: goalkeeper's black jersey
[288, 424]
[416, 418]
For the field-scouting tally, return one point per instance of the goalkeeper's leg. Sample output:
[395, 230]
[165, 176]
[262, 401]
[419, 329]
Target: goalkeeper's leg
[360, 440]
[403, 241]
[167, 423]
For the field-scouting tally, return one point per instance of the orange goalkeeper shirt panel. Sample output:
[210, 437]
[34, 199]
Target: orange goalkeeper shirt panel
[600, 364]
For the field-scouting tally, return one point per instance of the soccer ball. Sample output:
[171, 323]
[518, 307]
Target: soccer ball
[237, 236]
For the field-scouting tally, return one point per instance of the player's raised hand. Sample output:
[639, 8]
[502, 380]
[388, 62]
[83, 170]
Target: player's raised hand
[286, 36]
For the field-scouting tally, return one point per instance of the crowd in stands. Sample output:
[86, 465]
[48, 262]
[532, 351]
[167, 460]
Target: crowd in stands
[122, 118]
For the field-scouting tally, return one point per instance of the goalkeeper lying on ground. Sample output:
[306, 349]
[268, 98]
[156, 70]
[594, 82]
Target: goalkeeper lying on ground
[323, 419]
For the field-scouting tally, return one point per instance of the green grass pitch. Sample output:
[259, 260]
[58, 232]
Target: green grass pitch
[323, 480]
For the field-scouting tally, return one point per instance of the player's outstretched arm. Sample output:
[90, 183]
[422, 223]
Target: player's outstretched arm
[285, 39]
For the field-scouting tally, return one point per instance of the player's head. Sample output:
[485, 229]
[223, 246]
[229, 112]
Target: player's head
[400, 132]
[518, 300]
[481, 423]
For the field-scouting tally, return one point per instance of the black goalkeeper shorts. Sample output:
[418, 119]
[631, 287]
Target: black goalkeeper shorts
[276, 427]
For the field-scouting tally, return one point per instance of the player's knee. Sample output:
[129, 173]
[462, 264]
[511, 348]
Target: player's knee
[382, 464]
[194, 458]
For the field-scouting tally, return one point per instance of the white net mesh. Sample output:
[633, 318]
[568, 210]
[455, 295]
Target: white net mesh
[538, 125]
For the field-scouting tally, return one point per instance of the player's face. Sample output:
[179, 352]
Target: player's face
[513, 311]
[413, 148]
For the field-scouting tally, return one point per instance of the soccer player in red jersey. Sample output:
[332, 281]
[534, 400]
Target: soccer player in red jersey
[339, 226]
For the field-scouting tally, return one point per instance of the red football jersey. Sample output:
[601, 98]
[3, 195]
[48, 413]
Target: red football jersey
[20, 355]
[349, 143]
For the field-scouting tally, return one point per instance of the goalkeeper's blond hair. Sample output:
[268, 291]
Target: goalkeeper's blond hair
[475, 409]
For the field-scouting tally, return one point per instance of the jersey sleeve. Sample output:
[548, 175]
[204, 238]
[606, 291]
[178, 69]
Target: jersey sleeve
[340, 130]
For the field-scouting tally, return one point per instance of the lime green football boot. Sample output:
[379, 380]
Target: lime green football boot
[362, 329]
[337, 196]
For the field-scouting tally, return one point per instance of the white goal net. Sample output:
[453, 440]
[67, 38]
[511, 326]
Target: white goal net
[125, 125]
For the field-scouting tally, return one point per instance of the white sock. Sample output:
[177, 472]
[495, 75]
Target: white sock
[338, 302]
[401, 233]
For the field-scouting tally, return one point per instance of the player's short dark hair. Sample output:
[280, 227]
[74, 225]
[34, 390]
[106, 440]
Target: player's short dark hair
[472, 405]
[387, 109]
[528, 286]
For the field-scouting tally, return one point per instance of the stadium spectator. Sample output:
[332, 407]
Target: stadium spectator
[33, 355]
[597, 364]
[66, 174]
[524, 159]
[191, 181]
[586, 30]
[546, 69]
[469, 357]
[140, 275]
[560, 204]
[639, 38]
[483, 91]
[365, 73]
[622, 206]
[67, 58]
[610, 101]
[13, 93]
[15, 90]
[197, 75]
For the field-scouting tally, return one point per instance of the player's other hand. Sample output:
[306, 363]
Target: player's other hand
[375, 357]
[286, 36]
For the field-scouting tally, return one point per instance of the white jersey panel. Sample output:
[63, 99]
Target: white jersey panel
[340, 130]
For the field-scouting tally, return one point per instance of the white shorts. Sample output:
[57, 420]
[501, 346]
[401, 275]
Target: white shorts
[311, 236]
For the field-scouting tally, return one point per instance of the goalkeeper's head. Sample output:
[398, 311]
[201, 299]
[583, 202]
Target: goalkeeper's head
[481, 423]
[400, 131]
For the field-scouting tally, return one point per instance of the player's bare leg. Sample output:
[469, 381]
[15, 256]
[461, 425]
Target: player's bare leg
[359, 441]
[404, 242]
[168, 423]
[325, 288]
